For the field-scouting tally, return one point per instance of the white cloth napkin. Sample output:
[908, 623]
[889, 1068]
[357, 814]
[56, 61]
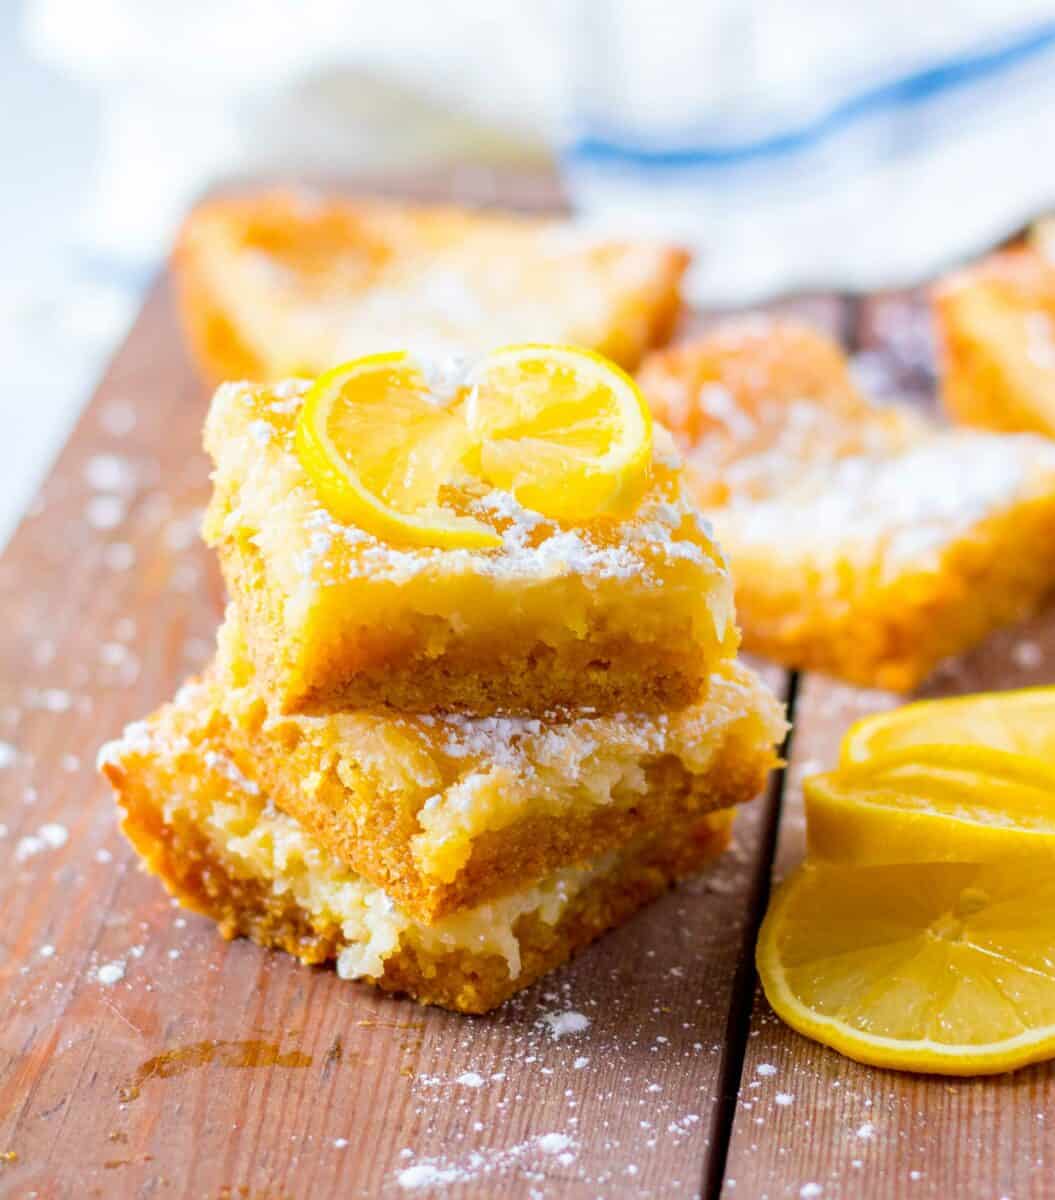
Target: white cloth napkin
[817, 145]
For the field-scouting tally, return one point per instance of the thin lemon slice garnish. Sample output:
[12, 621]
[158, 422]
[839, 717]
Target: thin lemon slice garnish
[946, 968]
[378, 452]
[565, 430]
[1021, 722]
[932, 804]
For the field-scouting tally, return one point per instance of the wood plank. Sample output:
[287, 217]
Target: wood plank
[812, 1123]
[894, 347]
[212, 1069]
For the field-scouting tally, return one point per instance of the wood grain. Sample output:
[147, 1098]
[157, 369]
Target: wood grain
[810, 1122]
[210, 1069]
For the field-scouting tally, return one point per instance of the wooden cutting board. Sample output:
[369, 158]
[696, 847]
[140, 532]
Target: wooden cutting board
[141, 1055]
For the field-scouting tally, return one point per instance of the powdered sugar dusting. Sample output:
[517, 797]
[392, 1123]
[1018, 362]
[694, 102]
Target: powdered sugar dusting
[229, 770]
[446, 375]
[527, 1159]
[895, 508]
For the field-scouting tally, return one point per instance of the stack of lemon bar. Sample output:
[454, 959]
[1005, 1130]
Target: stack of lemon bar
[445, 767]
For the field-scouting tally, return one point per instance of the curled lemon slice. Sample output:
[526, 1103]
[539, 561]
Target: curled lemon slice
[1020, 722]
[942, 968]
[378, 452]
[932, 804]
[565, 430]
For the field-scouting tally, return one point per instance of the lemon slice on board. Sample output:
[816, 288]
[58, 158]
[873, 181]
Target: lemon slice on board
[945, 968]
[378, 451]
[932, 804]
[565, 430]
[1021, 722]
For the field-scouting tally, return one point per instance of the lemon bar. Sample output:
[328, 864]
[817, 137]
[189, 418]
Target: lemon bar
[631, 612]
[273, 284]
[996, 322]
[448, 810]
[219, 844]
[864, 541]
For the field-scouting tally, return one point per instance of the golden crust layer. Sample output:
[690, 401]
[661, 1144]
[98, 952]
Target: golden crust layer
[863, 541]
[277, 283]
[445, 812]
[996, 325]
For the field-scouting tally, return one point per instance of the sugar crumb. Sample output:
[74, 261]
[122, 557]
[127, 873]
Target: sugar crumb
[554, 1143]
[425, 1175]
[562, 1023]
[111, 973]
[48, 837]
[104, 511]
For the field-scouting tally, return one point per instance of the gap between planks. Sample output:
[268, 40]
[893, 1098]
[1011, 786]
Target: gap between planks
[745, 982]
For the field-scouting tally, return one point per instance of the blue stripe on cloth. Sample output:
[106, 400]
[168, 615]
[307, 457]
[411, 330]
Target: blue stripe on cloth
[910, 89]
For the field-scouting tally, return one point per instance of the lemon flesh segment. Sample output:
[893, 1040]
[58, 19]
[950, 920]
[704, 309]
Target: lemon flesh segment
[933, 804]
[946, 968]
[1020, 722]
[565, 430]
[378, 453]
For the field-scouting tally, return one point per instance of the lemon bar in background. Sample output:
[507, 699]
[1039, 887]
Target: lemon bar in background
[632, 612]
[864, 541]
[273, 284]
[996, 326]
[202, 822]
[448, 810]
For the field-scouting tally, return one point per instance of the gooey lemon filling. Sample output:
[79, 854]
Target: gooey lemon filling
[254, 839]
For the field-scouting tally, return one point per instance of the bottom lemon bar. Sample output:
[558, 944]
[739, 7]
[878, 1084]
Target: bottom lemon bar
[447, 811]
[222, 848]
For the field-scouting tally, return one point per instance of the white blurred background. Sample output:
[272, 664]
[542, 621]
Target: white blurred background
[795, 144]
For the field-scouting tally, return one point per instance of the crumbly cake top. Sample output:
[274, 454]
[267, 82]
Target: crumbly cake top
[904, 506]
[263, 493]
[788, 456]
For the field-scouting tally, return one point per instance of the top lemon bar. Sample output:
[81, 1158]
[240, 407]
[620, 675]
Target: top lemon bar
[282, 283]
[631, 611]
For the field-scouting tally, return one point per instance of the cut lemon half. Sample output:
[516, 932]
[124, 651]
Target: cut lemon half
[932, 804]
[378, 452]
[565, 430]
[1021, 722]
[945, 968]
